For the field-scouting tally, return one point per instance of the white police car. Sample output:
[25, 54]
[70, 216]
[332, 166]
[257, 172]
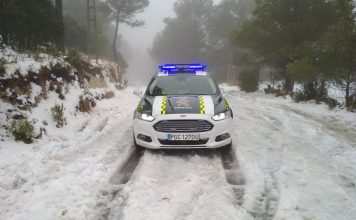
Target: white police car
[182, 108]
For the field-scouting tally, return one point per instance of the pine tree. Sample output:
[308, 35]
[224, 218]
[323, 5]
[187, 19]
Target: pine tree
[183, 38]
[124, 11]
[28, 24]
[280, 30]
[59, 16]
[340, 49]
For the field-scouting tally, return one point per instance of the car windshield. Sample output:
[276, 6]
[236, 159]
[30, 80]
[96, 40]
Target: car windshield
[182, 84]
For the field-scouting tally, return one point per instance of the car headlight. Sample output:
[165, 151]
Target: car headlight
[145, 117]
[222, 116]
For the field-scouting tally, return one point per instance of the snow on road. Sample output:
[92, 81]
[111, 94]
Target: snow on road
[297, 161]
[178, 186]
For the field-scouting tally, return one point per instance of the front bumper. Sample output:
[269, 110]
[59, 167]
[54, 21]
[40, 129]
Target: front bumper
[146, 128]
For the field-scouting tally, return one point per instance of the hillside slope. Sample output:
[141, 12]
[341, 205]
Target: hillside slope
[32, 86]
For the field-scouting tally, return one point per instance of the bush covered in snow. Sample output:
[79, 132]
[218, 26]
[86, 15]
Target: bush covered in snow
[311, 91]
[22, 130]
[58, 115]
[276, 90]
[85, 104]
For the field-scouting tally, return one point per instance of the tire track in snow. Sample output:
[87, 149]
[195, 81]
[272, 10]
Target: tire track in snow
[233, 174]
[124, 173]
[114, 197]
[266, 203]
[84, 126]
[100, 127]
[117, 199]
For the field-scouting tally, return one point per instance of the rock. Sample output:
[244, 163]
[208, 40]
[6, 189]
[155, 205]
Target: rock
[18, 117]
[61, 96]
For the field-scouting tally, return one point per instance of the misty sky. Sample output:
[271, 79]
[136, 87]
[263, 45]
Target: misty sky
[136, 41]
[140, 39]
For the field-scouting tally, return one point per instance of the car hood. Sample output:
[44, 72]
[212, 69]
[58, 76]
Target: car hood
[163, 105]
[192, 104]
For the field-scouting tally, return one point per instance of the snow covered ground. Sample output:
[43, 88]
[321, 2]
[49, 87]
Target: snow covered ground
[300, 157]
[62, 176]
[296, 161]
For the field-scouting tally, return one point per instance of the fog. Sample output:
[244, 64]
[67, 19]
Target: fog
[137, 41]
[182, 44]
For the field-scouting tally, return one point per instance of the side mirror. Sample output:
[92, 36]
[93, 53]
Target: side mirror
[138, 92]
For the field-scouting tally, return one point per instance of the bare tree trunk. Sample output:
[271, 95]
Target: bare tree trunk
[347, 90]
[59, 14]
[289, 85]
[115, 40]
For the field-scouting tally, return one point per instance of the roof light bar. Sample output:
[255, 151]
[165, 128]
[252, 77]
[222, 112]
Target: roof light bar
[180, 67]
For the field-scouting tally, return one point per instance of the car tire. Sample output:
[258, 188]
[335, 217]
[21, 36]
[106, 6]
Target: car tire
[227, 147]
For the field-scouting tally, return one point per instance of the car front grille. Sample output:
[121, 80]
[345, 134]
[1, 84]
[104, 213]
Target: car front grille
[183, 126]
[192, 143]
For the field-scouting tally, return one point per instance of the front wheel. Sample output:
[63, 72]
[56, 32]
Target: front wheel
[226, 148]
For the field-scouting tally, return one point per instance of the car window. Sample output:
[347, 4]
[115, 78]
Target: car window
[182, 84]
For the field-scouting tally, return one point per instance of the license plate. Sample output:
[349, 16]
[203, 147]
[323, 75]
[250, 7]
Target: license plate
[183, 137]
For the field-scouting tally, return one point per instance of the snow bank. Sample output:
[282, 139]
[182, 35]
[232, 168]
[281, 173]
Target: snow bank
[66, 174]
[24, 62]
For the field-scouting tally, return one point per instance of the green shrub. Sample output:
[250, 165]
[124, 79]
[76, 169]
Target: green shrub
[62, 71]
[2, 61]
[53, 50]
[22, 130]
[332, 103]
[312, 90]
[37, 56]
[2, 70]
[300, 97]
[248, 79]
[352, 102]
[315, 90]
[58, 115]
[74, 58]
[276, 90]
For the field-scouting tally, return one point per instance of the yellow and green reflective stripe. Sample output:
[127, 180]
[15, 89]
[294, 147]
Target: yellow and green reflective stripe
[227, 105]
[164, 105]
[202, 105]
[139, 106]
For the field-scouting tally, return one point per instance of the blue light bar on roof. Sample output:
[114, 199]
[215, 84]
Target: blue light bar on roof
[182, 67]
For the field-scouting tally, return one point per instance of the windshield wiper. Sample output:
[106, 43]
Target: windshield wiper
[170, 104]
